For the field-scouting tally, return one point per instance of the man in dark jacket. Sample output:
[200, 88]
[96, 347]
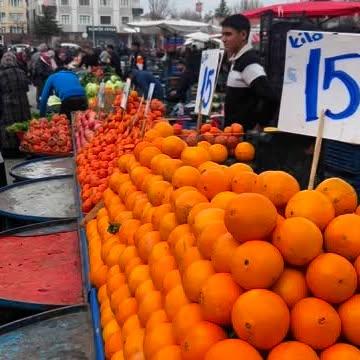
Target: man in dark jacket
[142, 80]
[114, 59]
[250, 99]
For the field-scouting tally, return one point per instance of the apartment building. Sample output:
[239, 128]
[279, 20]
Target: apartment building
[13, 18]
[76, 16]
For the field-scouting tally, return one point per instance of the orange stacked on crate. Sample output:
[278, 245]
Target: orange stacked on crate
[190, 266]
[117, 136]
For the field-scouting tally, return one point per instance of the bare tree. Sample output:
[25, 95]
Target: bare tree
[244, 5]
[159, 9]
[189, 15]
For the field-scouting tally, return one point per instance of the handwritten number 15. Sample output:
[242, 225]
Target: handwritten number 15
[207, 86]
[330, 73]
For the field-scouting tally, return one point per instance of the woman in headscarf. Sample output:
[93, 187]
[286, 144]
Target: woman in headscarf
[14, 104]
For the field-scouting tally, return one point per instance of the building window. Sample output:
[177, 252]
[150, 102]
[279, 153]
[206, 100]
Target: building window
[124, 3]
[2, 16]
[84, 2]
[1, 2]
[65, 19]
[105, 20]
[16, 29]
[125, 19]
[105, 3]
[15, 17]
[84, 19]
[15, 3]
[64, 2]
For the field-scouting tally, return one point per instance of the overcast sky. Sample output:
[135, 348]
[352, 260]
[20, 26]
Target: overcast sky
[208, 4]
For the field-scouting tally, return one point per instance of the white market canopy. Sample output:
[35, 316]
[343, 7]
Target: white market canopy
[178, 27]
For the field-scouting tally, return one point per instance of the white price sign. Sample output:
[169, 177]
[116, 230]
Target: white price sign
[149, 97]
[126, 93]
[210, 64]
[322, 74]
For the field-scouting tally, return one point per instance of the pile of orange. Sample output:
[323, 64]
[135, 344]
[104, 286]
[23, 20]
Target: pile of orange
[195, 260]
[97, 160]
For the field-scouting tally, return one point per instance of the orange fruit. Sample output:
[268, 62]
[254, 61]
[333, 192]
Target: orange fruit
[185, 319]
[102, 293]
[342, 236]
[218, 153]
[237, 128]
[159, 250]
[160, 336]
[156, 163]
[315, 323]
[207, 165]
[249, 269]
[312, 205]
[157, 192]
[185, 176]
[191, 255]
[146, 244]
[349, 313]
[131, 265]
[222, 199]
[126, 308]
[169, 168]
[143, 289]
[340, 351]
[341, 194]
[176, 193]
[171, 280]
[195, 210]
[173, 146]
[291, 286]
[206, 217]
[250, 217]
[174, 300]
[299, 240]
[113, 344]
[209, 236]
[110, 328]
[159, 269]
[244, 151]
[137, 276]
[332, 278]
[185, 202]
[107, 315]
[134, 343]
[127, 231]
[157, 317]
[177, 234]
[114, 255]
[213, 181]
[151, 302]
[357, 267]
[194, 156]
[118, 296]
[159, 213]
[139, 147]
[141, 231]
[167, 224]
[231, 349]
[217, 297]
[195, 277]
[130, 325]
[237, 168]
[114, 282]
[119, 355]
[172, 352]
[147, 154]
[164, 129]
[222, 252]
[129, 253]
[98, 276]
[261, 318]
[278, 186]
[294, 350]
[200, 338]
[182, 245]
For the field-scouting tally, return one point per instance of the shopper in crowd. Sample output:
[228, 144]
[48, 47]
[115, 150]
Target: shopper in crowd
[114, 59]
[142, 80]
[14, 104]
[66, 86]
[105, 58]
[250, 99]
[137, 59]
[90, 58]
[44, 67]
[62, 57]
[187, 79]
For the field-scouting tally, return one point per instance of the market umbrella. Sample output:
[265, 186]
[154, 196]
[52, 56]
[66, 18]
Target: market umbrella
[308, 8]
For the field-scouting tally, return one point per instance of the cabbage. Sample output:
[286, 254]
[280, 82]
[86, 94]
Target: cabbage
[119, 85]
[91, 89]
[114, 78]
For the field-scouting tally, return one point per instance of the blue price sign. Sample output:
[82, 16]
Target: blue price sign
[210, 63]
[321, 74]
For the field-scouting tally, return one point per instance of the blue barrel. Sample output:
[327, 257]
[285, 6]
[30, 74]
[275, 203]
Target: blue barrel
[39, 200]
[64, 333]
[43, 168]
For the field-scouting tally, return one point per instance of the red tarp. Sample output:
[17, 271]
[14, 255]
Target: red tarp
[309, 8]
